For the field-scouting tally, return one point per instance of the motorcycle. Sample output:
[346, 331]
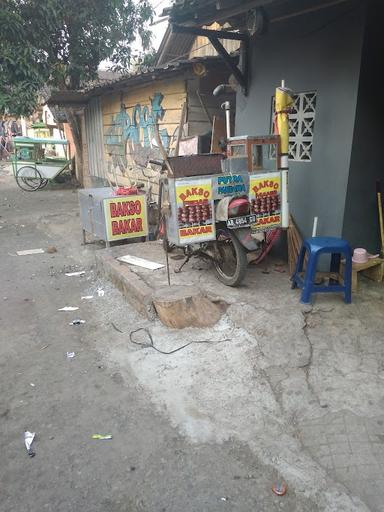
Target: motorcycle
[233, 242]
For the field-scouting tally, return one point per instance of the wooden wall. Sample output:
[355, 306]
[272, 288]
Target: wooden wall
[128, 120]
[203, 48]
[200, 92]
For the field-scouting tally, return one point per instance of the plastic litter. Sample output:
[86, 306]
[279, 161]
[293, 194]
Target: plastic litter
[77, 321]
[100, 292]
[28, 440]
[87, 297]
[102, 437]
[68, 308]
[71, 274]
[140, 262]
[279, 488]
[30, 251]
[70, 355]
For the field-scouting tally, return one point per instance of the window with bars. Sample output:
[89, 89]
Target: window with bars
[301, 126]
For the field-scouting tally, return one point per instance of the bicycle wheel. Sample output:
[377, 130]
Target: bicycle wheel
[28, 178]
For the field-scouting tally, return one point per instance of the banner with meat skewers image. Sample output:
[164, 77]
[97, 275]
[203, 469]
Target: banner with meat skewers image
[195, 210]
[265, 199]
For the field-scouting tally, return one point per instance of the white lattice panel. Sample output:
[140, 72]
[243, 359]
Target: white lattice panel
[301, 126]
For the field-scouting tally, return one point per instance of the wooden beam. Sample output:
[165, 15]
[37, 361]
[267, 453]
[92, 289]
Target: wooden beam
[242, 80]
[221, 34]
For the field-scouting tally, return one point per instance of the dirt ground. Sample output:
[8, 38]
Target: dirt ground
[208, 428]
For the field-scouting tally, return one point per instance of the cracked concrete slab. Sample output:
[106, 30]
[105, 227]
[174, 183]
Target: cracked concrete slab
[272, 391]
[215, 392]
[301, 386]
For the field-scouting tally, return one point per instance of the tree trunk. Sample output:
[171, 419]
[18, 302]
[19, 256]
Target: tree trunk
[74, 124]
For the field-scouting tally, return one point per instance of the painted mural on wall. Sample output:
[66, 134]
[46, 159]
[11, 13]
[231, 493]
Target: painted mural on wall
[130, 139]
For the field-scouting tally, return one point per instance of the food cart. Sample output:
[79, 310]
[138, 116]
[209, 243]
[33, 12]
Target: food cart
[110, 216]
[37, 161]
[199, 182]
[224, 206]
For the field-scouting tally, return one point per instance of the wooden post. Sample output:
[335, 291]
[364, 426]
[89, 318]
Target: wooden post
[162, 150]
[181, 125]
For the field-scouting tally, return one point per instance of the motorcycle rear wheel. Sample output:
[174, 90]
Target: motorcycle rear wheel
[231, 261]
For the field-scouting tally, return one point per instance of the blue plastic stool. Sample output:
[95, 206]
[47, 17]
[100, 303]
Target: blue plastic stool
[314, 247]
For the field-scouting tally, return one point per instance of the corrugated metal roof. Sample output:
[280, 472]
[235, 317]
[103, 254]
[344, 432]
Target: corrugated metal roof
[176, 46]
[82, 96]
[202, 12]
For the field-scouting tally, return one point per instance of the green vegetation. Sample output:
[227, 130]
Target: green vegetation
[62, 42]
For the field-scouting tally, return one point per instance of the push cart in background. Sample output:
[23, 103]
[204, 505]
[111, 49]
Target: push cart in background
[37, 161]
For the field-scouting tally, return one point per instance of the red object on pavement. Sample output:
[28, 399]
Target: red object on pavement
[126, 191]
[279, 488]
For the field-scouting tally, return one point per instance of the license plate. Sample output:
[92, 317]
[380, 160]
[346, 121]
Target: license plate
[241, 222]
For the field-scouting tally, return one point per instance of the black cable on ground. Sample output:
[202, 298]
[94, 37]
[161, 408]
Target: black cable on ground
[152, 345]
[116, 328]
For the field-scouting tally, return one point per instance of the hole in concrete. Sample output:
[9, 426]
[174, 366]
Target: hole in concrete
[221, 304]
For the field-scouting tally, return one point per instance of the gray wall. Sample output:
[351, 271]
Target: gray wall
[361, 217]
[319, 51]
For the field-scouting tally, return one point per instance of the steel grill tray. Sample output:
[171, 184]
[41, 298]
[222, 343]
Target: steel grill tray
[195, 165]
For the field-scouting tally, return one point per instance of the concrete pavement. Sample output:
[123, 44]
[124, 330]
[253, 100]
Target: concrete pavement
[272, 392]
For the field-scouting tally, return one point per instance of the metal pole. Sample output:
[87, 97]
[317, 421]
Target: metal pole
[167, 261]
[314, 228]
[227, 107]
[284, 199]
[284, 184]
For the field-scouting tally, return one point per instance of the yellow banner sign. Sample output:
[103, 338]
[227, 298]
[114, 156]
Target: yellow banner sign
[263, 223]
[197, 231]
[265, 199]
[195, 210]
[264, 187]
[126, 217]
[192, 194]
